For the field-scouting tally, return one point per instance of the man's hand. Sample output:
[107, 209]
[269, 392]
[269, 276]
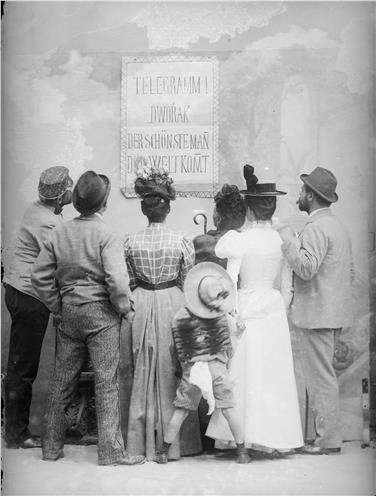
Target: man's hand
[286, 233]
[240, 325]
[129, 317]
[56, 320]
[234, 312]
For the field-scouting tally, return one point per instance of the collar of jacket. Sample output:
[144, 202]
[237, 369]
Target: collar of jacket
[44, 205]
[91, 217]
[317, 214]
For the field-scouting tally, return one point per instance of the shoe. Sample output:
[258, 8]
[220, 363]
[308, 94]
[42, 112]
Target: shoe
[243, 458]
[310, 449]
[161, 457]
[330, 451]
[274, 455]
[132, 460]
[30, 442]
[53, 458]
[313, 449]
[127, 460]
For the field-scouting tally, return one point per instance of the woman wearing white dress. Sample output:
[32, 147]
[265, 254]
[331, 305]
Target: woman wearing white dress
[262, 366]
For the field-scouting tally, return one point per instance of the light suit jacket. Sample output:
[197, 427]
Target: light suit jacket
[82, 262]
[323, 271]
[37, 224]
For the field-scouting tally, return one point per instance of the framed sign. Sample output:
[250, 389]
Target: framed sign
[169, 109]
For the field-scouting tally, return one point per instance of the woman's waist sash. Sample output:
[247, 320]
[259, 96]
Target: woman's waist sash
[156, 287]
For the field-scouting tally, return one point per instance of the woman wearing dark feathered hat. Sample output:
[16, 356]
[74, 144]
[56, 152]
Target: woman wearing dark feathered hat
[158, 260]
[262, 366]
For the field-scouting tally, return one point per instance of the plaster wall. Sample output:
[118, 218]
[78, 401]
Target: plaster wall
[296, 90]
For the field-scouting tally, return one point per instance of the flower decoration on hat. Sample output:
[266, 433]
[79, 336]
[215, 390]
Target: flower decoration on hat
[153, 181]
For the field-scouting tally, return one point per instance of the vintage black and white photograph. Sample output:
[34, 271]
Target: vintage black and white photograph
[188, 248]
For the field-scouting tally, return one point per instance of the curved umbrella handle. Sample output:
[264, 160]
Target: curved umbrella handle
[200, 214]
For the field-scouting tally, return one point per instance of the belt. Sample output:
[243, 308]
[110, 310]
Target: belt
[156, 287]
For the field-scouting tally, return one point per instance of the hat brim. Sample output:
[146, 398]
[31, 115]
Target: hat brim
[245, 192]
[192, 282]
[331, 199]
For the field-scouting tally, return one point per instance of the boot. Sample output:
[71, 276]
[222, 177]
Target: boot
[162, 454]
[53, 458]
[127, 460]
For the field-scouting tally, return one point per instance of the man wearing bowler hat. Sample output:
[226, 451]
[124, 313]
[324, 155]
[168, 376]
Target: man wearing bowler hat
[81, 275]
[321, 259]
[28, 313]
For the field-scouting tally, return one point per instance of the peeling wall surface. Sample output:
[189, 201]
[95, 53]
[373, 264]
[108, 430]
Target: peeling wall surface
[296, 90]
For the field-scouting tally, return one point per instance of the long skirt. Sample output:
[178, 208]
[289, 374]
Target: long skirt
[156, 377]
[264, 385]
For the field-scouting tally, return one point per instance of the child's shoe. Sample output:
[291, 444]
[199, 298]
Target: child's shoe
[161, 457]
[243, 456]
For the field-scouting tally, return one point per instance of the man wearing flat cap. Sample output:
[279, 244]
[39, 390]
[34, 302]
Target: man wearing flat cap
[81, 275]
[321, 259]
[28, 313]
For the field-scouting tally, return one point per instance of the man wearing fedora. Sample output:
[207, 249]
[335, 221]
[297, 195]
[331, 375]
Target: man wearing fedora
[81, 275]
[28, 313]
[321, 259]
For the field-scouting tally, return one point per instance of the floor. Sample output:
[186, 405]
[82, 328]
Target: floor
[350, 473]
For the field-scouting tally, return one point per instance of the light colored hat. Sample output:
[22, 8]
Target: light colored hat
[209, 291]
[54, 182]
[323, 182]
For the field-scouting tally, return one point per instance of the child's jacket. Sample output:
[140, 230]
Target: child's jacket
[196, 337]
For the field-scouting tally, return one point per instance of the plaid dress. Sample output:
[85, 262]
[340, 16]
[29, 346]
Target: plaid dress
[156, 255]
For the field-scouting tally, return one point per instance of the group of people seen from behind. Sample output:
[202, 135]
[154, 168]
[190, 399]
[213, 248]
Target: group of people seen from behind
[209, 319]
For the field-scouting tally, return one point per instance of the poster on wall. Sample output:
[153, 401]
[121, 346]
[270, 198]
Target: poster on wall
[169, 109]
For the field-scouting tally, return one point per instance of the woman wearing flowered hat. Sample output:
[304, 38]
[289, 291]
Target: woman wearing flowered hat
[262, 366]
[158, 260]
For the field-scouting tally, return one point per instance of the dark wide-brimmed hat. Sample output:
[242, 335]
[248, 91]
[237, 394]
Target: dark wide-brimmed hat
[91, 192]
[323, 182]
[54, 182]
[209, 291]
[254, 188]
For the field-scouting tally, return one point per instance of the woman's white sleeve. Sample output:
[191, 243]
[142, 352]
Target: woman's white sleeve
[229, 246]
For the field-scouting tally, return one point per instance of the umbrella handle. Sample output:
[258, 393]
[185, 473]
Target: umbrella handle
[200, 214]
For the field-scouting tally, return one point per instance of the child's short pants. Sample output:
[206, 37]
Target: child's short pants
[188, 395]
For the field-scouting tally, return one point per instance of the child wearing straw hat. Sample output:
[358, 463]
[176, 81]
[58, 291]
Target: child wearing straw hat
[201, 333]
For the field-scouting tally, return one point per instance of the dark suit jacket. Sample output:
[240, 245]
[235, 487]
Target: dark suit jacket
[205, 248]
